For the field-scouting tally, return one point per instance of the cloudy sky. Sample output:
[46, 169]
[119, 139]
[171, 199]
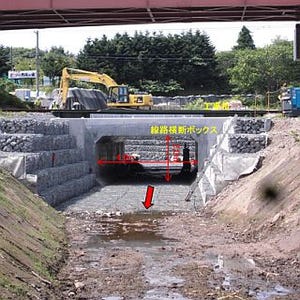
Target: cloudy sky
[222, 35]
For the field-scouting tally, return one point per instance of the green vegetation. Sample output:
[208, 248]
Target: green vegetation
[245, 40]
[4, 60]
[264, 69]
[170, 88]
[179, 64]
[9, 101]
[295, 135]
[186, 60]
[54, 61]
[15, 289]
[195, 105]
[32, 240]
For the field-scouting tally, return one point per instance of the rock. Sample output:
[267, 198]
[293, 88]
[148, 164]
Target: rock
[71, 294]
[79, 284]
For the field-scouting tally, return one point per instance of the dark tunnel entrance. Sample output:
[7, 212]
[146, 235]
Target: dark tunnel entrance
[143, 158]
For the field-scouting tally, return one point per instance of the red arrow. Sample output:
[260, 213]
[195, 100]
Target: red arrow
[149, 195]
[111, 162]
[194, 162]
[168, 176]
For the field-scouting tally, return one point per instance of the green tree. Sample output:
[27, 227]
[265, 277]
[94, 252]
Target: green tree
[264, 69]
[24, 58]
[186, 59]
[245, 40]
[54, 61]
[225, 61]
[170, 88]
[4, 61]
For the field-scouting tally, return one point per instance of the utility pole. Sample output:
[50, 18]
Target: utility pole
[37, 62]
[11, 59]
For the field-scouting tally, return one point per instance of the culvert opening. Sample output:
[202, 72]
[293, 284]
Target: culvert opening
[140, 158]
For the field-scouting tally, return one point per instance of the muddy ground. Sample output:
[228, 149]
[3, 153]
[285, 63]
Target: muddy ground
[238, 247]
[173, 256]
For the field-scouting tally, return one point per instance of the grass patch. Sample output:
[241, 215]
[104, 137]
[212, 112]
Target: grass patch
[295, 135]
[17, 289]
[9, 101]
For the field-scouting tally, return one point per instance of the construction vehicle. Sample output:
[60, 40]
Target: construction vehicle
[290, 101]
[117, 96]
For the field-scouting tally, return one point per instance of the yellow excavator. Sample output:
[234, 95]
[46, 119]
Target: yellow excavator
[117, 95]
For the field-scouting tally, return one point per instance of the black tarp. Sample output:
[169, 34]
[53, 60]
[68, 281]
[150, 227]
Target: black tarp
[89, 99]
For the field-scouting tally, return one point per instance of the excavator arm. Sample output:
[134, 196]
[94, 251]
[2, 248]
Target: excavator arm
[81, 75]
[118, 95]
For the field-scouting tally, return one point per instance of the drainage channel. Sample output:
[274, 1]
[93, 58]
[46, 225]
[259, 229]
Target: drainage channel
[141, 233]
[124, 256]
[119, 251]
[121, 239]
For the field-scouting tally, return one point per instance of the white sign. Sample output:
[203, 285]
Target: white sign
[21, 74]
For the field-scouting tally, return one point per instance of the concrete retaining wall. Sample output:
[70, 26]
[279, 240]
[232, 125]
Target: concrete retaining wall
[237, 154]
[54, 165]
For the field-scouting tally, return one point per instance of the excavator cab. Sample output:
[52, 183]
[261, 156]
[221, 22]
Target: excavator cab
[118, 94]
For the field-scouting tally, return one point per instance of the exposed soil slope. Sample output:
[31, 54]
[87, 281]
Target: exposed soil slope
[31, 241]
[268, 201]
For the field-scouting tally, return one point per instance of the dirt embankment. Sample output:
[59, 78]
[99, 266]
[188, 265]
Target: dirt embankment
[268, 201]
[250, 231]
[32, 239]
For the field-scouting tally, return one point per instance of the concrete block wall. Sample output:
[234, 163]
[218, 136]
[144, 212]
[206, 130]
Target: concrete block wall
[35, 142]
[33, 126]
[43, 159]
[252, 125]
[238, 153]
[247, 143]
[58, 194]
[53, 177]
[51, 157]
[248, 135]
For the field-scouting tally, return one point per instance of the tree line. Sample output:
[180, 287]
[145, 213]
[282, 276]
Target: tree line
[185, 63]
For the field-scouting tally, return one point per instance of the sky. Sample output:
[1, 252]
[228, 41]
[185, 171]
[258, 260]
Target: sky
[222, 35]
